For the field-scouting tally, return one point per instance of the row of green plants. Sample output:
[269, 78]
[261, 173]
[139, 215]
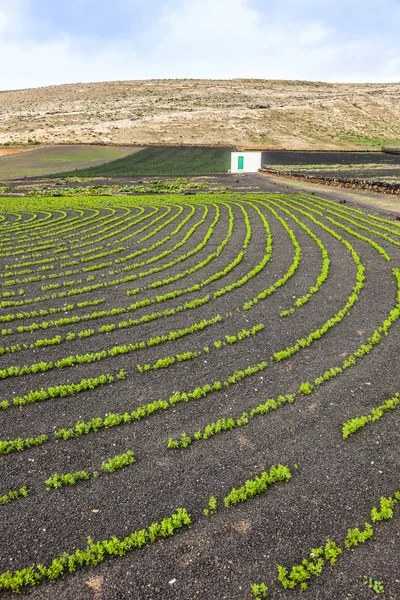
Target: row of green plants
[377, 413]
[168, 361]
[227, 424]
[159, 228]
[94, 553]
[381, 220]
[339, 213]
[323, 275]
[23, 236]
[326, 202]
[193, 288]
[164, 240]
[116, 419]
[344, 214]
[365, 228]
[111, 465]
[364, 238]
[251, 488]
[51, 267]
[89, 357]
[163, 363]
[105, 329]
[258, 485]
[161, 242]
[13, 495]
[52, 276]
[305, 388]
[52, 259]
[98, 223]
[167, 252]
[51, 231]
[184, 257]
[189, 271]
[56, 226]
[63, 390]
[39, 223]
[301, 574]
[113, 312]
[51, 311]
[260, 266]
[126, 279]
[64, 294]
[180, 244]
[21, 444]
[305, 342]
[289, 273]
[359, 217]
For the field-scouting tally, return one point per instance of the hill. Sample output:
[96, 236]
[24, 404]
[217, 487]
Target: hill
[249, 113]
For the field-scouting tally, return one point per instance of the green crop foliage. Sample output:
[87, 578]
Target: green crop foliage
[211, 507]
[355, 537]
[135, 248]
[385, 510]
[57, 481]
[118, 462]
[259, 590]
[257, 486]
[299, 575]
[94, 553]
[116, 419]
[271, 404]
[20, 444]
[14, 495]
[374, 585]
[305, 388]
[63, 391]
[377, 413]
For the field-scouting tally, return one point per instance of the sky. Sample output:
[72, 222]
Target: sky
[48, 42]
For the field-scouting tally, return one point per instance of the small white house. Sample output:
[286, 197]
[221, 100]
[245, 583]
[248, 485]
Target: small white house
[245, 162]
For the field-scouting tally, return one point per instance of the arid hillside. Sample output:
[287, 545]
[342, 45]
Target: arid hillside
[257, 113]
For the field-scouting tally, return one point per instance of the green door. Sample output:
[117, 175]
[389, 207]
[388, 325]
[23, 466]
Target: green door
[240, 163]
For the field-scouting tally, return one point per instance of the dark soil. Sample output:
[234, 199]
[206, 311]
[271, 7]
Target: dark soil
[328, 158]
[245, 183]
[336, 483]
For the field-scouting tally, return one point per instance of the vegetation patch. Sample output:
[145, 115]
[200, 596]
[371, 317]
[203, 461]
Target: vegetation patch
[157, 161]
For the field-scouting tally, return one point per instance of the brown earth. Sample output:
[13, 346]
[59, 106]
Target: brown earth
[6, 151]
[252, 113]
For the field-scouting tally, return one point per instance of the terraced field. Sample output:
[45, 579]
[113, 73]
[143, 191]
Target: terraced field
[200, 398]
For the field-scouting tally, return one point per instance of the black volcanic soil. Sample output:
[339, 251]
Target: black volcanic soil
[293, 157]
[334, 487]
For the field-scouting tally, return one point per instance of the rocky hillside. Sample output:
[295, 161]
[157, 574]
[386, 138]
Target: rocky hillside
[256, 113]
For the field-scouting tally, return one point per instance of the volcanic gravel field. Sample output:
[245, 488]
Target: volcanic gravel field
[223, 341]
[292, 157]
[348, 166]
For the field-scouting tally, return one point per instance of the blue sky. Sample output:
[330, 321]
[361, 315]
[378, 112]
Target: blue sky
[50, 42]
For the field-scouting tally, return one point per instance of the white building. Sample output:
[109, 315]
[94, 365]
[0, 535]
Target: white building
[245, 162]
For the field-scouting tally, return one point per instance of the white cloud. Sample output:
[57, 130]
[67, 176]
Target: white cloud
[11, 13]
[195, 39]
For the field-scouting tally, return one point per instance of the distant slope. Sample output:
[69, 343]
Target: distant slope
[277, 114]
[164, 161]
[43, 161]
